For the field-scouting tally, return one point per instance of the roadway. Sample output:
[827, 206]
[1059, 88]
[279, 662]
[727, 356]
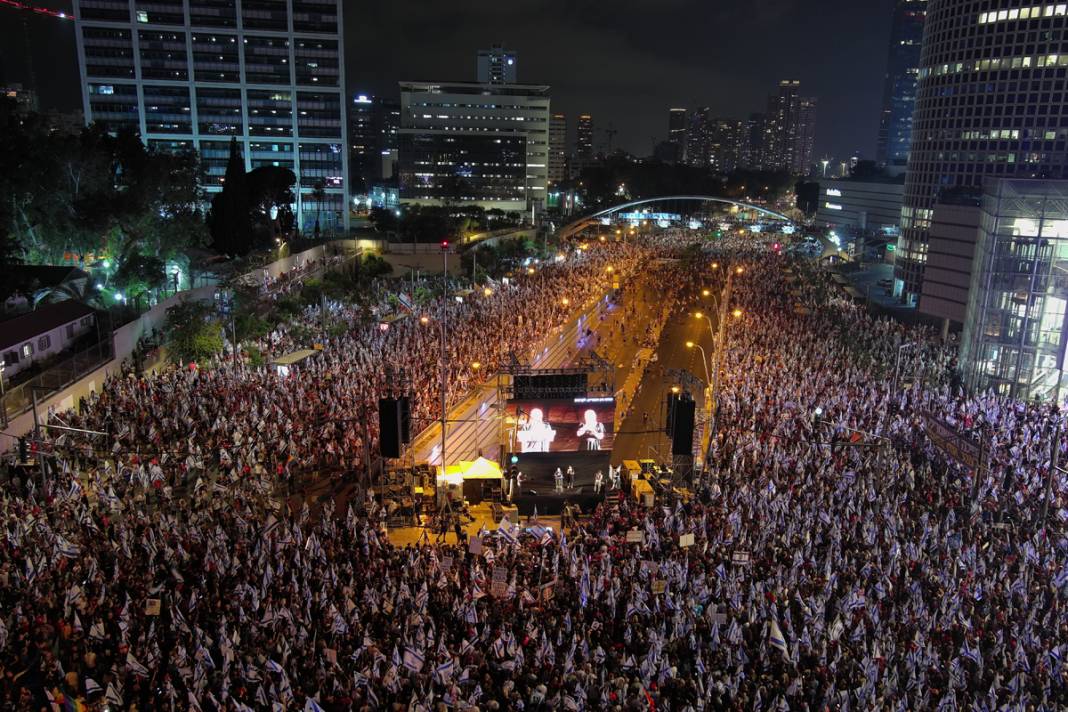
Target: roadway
[642, 434]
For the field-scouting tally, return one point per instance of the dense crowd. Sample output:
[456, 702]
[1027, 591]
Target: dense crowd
[839, 561]
[231, 418]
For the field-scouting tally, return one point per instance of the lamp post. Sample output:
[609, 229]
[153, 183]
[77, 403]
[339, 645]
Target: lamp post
[897, 362]
[444, 328]
[704, 359]
[720, 344]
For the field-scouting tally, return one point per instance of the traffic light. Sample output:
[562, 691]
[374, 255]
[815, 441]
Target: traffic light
[24, 450]
[444, 244]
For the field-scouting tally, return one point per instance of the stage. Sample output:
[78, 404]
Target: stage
[539, 487]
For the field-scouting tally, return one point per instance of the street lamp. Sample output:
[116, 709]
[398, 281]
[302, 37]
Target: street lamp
[715, 265]
[424, 320]
[701, 315]
[737, 313]
[705, 293]
[565, 301]
[487, 292]
[704, 359]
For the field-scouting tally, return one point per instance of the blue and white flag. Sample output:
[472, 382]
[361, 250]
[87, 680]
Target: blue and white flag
[776, 638]
[413, 660]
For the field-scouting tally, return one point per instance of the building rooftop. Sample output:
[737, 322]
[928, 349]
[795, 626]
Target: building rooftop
[30, 325]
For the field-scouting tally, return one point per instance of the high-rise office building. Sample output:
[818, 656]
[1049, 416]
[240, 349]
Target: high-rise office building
[373, 127]
[990, 101]
[677, 131]
[192, 74]
[899, 87]
[789, 130]
[557, 149]
[469, 142]
[583, 144]
[498, 66]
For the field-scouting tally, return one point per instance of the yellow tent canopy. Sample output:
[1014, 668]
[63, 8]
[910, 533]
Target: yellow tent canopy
[480, 469]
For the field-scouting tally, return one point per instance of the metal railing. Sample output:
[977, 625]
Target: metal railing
[18, 398]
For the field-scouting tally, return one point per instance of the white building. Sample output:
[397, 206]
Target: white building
[191, 74]
[43, 333]
[472, 143]
[860, 205]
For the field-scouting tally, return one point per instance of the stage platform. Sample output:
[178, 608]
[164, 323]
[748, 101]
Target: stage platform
[538, 488]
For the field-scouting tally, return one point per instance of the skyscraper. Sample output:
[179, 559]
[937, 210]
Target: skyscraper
[191, 74]
[899, 89]
[677, 131]
[752, 152]
[583, 144]
[697, 137]
[373, 126]
[725, 144]
[498, 66]
[557, 148]
[789, 130]
[990, 101]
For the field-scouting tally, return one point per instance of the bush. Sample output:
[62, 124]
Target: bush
[193, 334]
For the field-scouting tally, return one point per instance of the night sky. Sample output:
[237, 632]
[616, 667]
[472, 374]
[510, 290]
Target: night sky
[626, 62]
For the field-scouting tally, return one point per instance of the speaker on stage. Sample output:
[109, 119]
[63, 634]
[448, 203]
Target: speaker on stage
[682, 435]
[405, 406]
[389, 427]
[672, 402]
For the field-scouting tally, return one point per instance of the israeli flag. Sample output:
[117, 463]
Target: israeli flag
[775, 637]
[413, 660]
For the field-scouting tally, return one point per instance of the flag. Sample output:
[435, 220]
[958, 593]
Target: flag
[136, 667]
[113, 696]
[311, 705]
[413, 660]
[776, 639]
[92, 687]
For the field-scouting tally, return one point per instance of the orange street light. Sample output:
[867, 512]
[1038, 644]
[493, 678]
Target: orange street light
[739, 270]
[530, 270]
[565, 301]
[698, 315]
[475, 366]
[488, 292]
[737, 313]
[424, 320]
[705, 293]
[715, 265]
[674, 389]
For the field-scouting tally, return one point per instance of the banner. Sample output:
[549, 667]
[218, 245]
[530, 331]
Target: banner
[954, 444]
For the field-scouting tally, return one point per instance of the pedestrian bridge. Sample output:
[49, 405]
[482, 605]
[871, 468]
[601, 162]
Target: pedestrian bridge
[578, 226]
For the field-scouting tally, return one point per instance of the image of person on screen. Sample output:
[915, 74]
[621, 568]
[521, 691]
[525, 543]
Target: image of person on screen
[593, 430]
[535, 434]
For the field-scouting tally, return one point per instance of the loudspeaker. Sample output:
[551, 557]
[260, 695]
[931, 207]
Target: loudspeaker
[389, 427]
[672, 401]
[405, 419]
[682, 437]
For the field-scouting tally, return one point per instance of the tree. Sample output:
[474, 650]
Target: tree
[383, 219]
[231, 224]
[319, 196]
[193, 334]
[139, 274]
[270, 190]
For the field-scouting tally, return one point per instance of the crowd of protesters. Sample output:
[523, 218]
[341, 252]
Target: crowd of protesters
[231, 418]
[832, 558]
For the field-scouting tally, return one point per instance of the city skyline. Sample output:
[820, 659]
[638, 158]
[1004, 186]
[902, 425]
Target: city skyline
[839, 54]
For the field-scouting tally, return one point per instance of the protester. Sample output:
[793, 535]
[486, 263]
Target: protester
[839, 560]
